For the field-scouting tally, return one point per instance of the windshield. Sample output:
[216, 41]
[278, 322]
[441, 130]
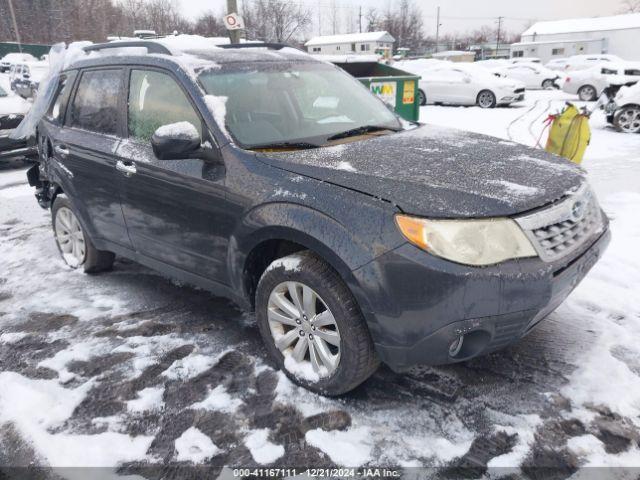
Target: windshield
[301, 105]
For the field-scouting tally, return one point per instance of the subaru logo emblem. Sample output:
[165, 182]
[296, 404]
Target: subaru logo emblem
[577, 210]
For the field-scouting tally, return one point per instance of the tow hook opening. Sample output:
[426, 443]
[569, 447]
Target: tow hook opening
[469, 344]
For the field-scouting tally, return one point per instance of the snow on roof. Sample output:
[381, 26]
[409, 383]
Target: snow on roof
[351, 38]
[347, 58]
[576, 25]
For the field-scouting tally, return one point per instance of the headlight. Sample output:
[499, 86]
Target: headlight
[470, 242]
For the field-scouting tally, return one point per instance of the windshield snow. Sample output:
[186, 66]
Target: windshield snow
[306, 105]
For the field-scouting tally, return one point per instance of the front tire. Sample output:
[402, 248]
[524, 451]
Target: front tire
[74, 244]
[548, 84]
[627, 119]
[486, 99]
[312, 326]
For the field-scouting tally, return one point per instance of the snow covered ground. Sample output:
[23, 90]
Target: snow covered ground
[132, 371]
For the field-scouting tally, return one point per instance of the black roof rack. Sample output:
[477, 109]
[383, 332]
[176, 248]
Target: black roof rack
[269, 45]
[152, 47]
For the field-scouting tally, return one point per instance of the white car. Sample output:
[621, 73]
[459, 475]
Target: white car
[13, 58]
[588, 84]
[12, 111]
[626, 117]
[461, 84]
[533, 75]
[582, 62]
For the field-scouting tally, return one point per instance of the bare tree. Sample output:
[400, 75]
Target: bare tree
[630, 6]
[209, 24]
[275, 20]
[373, 20]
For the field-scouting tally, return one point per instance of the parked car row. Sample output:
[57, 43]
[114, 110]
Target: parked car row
[449, 83]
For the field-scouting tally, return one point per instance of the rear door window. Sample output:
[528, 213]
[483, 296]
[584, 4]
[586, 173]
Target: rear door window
[155, 99]
[96, 104]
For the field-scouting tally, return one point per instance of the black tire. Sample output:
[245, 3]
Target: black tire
[548, 84]
[358, 359]
[588, 93]
[422, 97]
[94, 260]
[627, 119]
[486, 99]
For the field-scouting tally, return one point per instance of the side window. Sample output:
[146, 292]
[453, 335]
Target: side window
[155, 99]
[95, 106]
[61, 97]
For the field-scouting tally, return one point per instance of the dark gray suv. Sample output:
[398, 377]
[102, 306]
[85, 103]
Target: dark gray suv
[279, 181]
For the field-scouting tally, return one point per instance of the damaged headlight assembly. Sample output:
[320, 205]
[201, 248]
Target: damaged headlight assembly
[469, 242]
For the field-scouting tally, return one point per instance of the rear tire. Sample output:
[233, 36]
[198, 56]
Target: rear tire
[486, 99]
[422, 97]
[353, 358]
[627, 119]
[587, 93]
[74, 244]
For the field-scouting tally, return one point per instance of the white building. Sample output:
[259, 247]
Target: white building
[359, 43]
[616, 35]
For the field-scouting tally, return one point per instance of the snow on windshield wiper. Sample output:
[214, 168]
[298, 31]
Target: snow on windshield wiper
[360, 130]
[275, 145]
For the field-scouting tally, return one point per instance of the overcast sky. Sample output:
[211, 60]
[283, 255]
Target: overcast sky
[456, 15]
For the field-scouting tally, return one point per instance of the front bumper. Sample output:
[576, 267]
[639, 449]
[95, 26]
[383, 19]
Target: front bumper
[420, 304]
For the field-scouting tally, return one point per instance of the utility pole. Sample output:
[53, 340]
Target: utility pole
[232, 7]
[360, 18]
[15, 25]
[319, 19]
[437, 27]
[498, 35]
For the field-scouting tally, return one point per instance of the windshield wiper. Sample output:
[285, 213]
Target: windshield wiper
[299, 145]
[360, 131]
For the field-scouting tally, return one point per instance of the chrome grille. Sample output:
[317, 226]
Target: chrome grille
[560, 229]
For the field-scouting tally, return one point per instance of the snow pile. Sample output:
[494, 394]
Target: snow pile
[148, 399]
[183, 130]
[60, 57]
[262, 450]
[345, 166]
[290, 263]
[194, 446]
[606, 372]
[218, 399]
[303, 370]
[351, 448]
[218, 108]
[189, 366]
[37, 406]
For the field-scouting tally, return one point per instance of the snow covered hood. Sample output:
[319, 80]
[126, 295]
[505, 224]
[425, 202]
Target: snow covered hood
[439, 172]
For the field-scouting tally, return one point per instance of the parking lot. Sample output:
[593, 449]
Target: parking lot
[115, 368]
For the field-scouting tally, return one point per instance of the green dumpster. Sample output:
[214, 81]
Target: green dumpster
[395, 87]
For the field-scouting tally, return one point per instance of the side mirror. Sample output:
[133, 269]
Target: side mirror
[175, 141]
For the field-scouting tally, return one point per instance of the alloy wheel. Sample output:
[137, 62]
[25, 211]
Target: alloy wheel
[629, 119]
[486, 99]
[70, 237]
[303, 327]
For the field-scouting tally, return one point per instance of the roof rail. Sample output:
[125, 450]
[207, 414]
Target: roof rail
[269, 45]
[152, 47]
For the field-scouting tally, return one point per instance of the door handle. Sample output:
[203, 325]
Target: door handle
[61, 150]
[128, 168]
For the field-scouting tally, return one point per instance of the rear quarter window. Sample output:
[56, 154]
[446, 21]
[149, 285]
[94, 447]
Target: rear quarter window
[96, 103]
[61, 97]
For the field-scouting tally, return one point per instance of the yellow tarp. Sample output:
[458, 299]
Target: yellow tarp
[569, 134]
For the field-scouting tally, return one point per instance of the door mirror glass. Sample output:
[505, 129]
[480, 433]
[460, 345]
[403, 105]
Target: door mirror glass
[175, 141]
